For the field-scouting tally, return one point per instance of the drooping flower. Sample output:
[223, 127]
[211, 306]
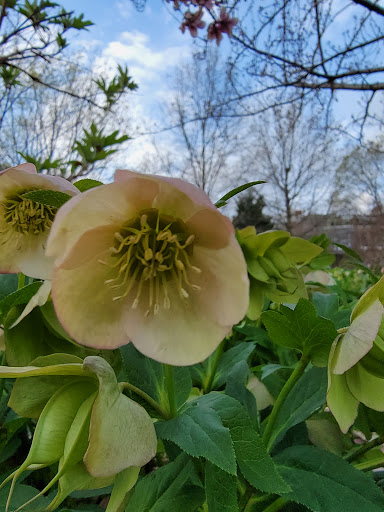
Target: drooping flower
[150, 260]
[273, 258]
[25, 224]
[356, 361]
[97, 435]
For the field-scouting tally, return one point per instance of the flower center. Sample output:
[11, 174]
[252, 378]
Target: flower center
[152, 251]
[27, 216]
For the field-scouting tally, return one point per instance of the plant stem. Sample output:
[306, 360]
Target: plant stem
[170, 381]
[357, 451]
[253, 500]
[20, 280]
[244, 500]
[295, 376]
[370, 464]
[213, 367]
[276, 505]
[146, 397]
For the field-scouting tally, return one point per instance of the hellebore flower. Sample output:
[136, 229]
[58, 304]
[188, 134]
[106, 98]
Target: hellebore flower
[150, 260]
[24, 223]
[356, 360]
[97, 435]
[272, 259]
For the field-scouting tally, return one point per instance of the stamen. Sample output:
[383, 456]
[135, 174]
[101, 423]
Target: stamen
[152, 253]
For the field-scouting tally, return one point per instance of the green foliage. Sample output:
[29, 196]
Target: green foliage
[303, 330]
[224, 200]
[53, 198]
[323, 482]
[86, 184]
[169, 489]
[221, 490]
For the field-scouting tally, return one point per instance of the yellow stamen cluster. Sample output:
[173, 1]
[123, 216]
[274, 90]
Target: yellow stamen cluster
[152, 253]
[27, 216]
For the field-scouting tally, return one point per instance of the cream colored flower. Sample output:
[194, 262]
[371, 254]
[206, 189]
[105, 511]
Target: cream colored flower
[25, 224]
[147, 260]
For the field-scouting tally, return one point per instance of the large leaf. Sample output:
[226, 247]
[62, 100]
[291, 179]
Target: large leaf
[302, 329]
[324, 482]
[229, 359]
[306, 397]
[21, 296]
[200, 433]
[252, 457]
[221, 490]
[327, 306]
[169, 489]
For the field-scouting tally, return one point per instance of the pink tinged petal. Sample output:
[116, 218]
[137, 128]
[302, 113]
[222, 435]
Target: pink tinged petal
[39, 299]
[211, 229]
[22, 167]
[358, 340]
[366, 387]
[18, 179]
[85, 307]
[111, 204]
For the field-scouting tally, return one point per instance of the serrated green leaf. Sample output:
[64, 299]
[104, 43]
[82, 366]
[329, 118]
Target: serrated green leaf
[303, 330]
[54, 198]
[86, 184]
[199, 432]
[254, 462]
[324, 482]
[240, 352]
[223, 201]
[305, 398]
[220, 489]
[168, 489]
[236, 387]
[327, 306]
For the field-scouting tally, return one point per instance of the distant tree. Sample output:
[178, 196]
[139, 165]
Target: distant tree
[359, 181]
[292, 150]
[206, 150]
[250, 212]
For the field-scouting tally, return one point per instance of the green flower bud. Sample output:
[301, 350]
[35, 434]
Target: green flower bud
[272, 260]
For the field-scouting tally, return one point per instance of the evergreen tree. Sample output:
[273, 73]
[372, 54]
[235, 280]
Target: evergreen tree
[250, 212]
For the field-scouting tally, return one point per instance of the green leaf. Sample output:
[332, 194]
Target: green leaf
[300, 251]
[303, 330]
[324, 482]
[21, 495]
[350, 252]
[224, 200]
[305, 398]
[148, 375]
[199, 432]
[236, 387]
[8, 284]
[53, 198]
[22, 296]
[86, 184]
[252, 457]
[240, 352]
[221, 490]
[327, 306]
[168, 489]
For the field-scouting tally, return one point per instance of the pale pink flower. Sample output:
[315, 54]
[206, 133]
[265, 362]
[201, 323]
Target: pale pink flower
[193, 21]
[222, 26]
[147, 260]
[25, 224]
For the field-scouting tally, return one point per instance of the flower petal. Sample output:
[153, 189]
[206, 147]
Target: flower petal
[358, 340]
[366, 387]
[100, 206]
[342, 402]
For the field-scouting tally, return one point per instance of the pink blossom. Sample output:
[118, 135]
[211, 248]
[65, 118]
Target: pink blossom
[222, 26]
[193, 21]
[208, 4]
